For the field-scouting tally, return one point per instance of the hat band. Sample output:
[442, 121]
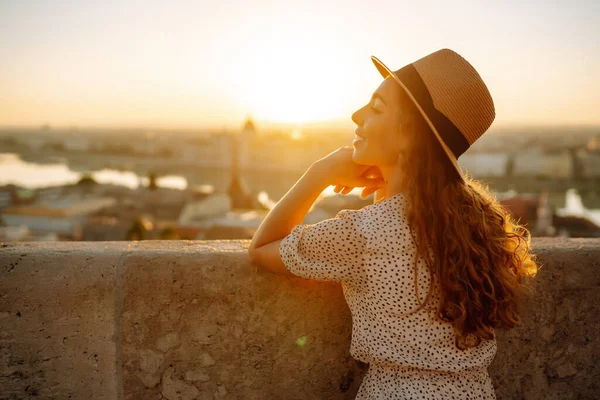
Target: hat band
[451, 135]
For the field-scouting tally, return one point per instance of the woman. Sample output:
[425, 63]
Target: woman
[436, 263]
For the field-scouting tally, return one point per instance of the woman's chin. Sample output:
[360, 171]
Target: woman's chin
[358, 157]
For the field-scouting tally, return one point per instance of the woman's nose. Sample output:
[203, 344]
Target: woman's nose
[355, 116]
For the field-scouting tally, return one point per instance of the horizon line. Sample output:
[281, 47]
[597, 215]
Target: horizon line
[331, 124]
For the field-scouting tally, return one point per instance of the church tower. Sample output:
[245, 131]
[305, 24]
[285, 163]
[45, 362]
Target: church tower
[238, 191]
[248, 136]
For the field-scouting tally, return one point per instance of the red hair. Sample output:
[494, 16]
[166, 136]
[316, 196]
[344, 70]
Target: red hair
[481, 255]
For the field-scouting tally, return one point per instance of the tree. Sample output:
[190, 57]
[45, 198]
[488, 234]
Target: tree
[87, 179]
[136, 231]
[152, 185]
[168, 234]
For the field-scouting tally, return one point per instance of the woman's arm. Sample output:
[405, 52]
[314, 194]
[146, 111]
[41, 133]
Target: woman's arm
[287, 213]
[291, 209]
[335, 168]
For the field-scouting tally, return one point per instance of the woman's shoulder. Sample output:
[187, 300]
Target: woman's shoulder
[389, 211]
[386, 216]
[390, 207]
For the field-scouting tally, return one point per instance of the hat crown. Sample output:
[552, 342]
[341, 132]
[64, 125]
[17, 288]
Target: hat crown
[458, 92]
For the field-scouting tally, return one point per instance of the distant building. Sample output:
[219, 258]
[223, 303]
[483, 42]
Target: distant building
[574, 226]
[23, 196]
[212, 218]
[64, 217]
[524, 208]
[547, 164]
[49, 194]
[574, 207]
[485, 164]
[593, 144]
[536, 214]
[247, 138]
[544, 224]
[105, 228]
[77, 143]
[589, 163]
[212, 206]
[240, 194]
[23, 234]
[7, 196]
[165, 203]
[35, 143]
[238, 190]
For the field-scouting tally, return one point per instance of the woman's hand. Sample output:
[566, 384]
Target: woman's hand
[345, 174]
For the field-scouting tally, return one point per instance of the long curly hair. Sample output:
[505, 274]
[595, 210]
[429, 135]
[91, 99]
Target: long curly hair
[472, 246]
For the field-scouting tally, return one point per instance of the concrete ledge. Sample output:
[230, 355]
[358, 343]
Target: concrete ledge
[196, 320]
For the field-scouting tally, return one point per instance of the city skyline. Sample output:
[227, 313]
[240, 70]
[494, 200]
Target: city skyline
[209, 65]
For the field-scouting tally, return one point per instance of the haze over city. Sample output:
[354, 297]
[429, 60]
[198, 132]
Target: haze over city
[212, 64]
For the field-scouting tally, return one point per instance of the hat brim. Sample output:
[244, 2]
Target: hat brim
[385, 72]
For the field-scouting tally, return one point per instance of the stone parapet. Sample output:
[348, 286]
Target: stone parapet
[197, 320]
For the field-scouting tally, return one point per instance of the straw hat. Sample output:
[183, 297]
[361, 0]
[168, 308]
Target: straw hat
[450, 95]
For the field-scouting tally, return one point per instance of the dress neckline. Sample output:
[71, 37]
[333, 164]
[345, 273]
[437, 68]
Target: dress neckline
[387, 199]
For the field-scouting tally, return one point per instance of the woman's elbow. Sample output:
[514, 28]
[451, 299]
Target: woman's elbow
[252, 253]
[257, 255]
[268, 258]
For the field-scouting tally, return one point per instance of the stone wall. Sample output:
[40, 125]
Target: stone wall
[196, 320]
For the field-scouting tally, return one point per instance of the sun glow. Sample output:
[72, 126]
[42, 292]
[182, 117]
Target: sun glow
[293, 76]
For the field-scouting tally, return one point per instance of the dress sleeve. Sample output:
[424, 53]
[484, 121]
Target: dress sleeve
[330, 250]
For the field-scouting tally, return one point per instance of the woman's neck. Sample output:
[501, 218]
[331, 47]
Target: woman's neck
[392, 177]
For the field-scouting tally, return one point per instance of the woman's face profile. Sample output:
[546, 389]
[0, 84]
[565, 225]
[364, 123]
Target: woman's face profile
[378, 141]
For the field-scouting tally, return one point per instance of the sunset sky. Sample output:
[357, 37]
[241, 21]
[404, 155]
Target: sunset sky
[210, 64]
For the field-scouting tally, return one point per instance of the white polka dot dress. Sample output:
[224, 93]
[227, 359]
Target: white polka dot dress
[370, 252]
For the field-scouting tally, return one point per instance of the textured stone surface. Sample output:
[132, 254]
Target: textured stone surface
[196, 320]
[554, 353]
[57, 320]
[234, 331]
